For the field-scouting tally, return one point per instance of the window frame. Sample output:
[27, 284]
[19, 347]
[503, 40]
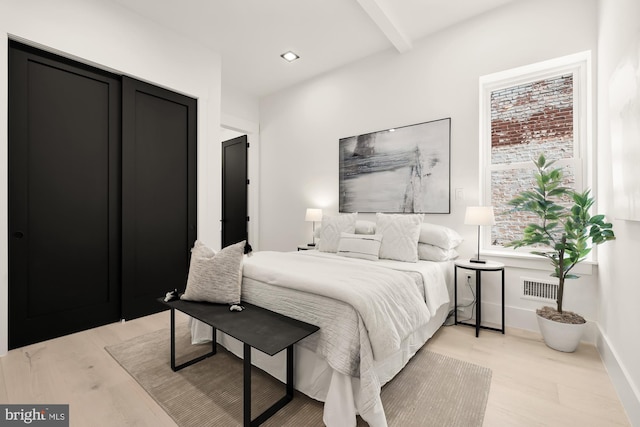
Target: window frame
[579, 65]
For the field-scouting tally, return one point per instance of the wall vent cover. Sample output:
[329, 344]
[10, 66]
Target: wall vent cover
[539, 289]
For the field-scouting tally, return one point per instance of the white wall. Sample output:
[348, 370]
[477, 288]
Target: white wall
[107, 35]
[239, 104]
[619, 293]
[300, 126]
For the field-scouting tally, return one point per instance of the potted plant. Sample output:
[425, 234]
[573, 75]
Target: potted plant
[564, 234]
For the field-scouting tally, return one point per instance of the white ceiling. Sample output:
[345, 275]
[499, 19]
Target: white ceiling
[250, 35]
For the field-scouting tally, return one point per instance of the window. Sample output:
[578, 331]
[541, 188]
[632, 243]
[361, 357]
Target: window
[538, 109]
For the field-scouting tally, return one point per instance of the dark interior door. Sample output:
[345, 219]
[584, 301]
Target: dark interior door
[64, 196]
[158, 194]
[234, 190]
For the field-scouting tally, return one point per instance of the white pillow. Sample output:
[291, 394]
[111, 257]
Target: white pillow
[365, 227]
[215, 277]
[439, 235]
[332, 226]
[400, 235]
[429, 252]
[362, 227]
[365, 246]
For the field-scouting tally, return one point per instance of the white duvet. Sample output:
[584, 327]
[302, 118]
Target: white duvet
[386, 300]
[434, 290]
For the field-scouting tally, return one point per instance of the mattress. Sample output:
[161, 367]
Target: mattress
[337, 365]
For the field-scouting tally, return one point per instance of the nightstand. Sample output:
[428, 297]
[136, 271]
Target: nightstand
[479, 269]
[306, 247]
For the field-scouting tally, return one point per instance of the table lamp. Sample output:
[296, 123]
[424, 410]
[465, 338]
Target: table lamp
[313, 215]
[479, 215]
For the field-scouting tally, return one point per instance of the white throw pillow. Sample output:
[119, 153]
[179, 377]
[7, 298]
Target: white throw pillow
[365, 227]
[332, 227]
[439, 235]
[362, 227]
[429, 252]
[215, 277]
[365, 246]
[400, 235]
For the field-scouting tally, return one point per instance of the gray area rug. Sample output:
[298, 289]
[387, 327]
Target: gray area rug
[432, 390]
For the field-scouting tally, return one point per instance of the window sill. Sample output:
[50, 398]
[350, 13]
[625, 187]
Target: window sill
[534, 262]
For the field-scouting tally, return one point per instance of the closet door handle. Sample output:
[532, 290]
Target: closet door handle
[18, 234]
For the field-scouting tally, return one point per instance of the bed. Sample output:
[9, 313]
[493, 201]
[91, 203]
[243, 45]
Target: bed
[373, 317]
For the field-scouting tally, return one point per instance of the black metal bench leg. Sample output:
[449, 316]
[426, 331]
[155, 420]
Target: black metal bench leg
[290, 372]
[173, 346]
[173, 339]
[247, 386]
[247, 390]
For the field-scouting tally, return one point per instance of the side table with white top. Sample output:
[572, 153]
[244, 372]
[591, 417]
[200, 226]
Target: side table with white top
[479, 268]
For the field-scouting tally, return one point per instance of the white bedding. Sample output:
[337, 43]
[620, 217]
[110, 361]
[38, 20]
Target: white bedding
[434, 280]
[386, 300]
[335, 293]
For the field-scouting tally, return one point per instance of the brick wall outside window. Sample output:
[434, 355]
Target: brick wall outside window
[527, 120]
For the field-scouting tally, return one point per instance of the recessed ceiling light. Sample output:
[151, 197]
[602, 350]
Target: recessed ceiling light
[289, 56]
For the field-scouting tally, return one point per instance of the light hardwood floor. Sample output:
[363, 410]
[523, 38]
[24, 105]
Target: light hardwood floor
[532, 385]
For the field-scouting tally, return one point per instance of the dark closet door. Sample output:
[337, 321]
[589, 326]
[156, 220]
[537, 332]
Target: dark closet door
[158, 194]
[64, 196]
[234, 190]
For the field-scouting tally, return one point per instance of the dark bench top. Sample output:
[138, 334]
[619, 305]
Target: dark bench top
[262, 329]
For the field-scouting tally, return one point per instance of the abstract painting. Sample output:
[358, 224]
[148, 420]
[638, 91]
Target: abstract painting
[399, 170]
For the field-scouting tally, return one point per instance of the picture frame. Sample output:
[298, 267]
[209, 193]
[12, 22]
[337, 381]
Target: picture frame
[399, 170]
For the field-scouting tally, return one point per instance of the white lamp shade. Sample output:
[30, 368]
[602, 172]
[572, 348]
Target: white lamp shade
[479, 215]
[313, 215]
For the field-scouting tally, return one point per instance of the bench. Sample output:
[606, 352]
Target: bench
[255, 327]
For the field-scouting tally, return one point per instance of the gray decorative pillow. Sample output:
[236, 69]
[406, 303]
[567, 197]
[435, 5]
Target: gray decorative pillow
[332, 227]
[215, 277]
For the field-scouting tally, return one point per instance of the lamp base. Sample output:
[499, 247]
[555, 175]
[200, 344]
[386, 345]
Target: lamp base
[478, 261]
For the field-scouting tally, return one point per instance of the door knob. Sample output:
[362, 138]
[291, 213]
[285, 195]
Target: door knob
[18, 234]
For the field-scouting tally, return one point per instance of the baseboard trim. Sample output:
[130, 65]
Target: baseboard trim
[628, 392]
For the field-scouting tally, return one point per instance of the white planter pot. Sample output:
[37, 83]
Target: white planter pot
[561, 336]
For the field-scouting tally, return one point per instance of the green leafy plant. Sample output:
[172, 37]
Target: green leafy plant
[564, 233]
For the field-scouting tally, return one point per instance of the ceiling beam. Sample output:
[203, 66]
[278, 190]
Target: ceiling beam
[379, 12]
